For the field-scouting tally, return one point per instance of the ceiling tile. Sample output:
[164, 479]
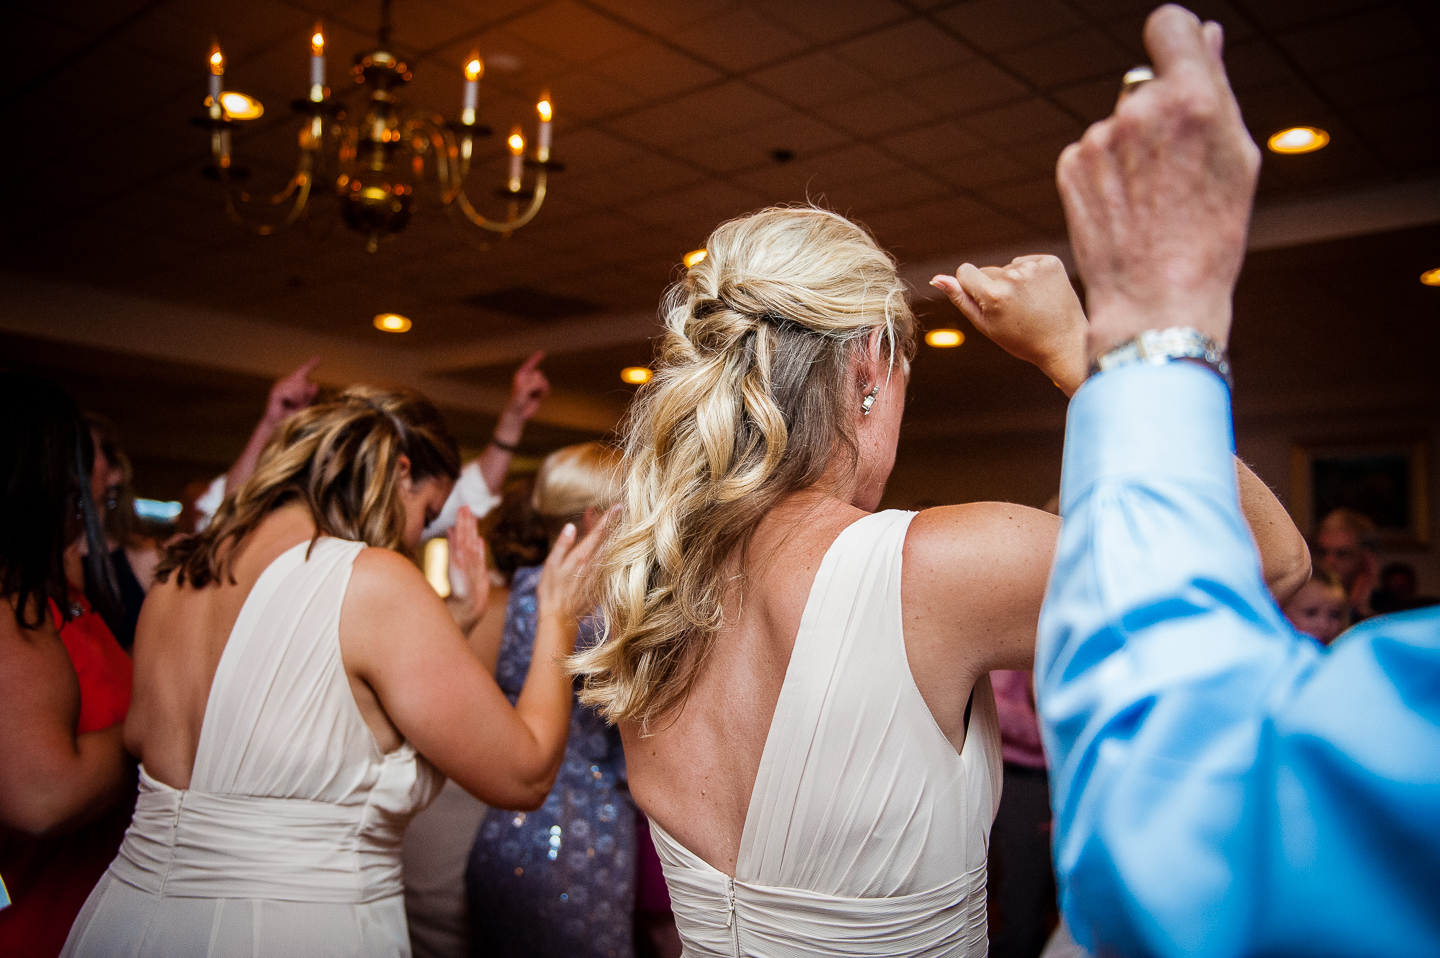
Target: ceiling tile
[243, 30]
[877, 114]
[1401, 75]
[1254, 64]
[1284, 14]
[663, 16]
[627, 182]
[1073, 57]
[980, 170]
[582, 94]
[590, 148]
[573, 32]
[739, 40]
[710, 203]
[662, 126]
[934, 143]
[1093, 99]
[813, 80]
[960, 90]
[1354, 40]
[655, 70]
[903, 51]
[1021, 121]
[1004, 24]
[742, 149]
[898, 189]
[826, 21]
[730, 106]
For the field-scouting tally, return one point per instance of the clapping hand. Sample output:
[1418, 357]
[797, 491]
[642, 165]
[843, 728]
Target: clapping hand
[1029, 309]
[564, 582]
[467, 553]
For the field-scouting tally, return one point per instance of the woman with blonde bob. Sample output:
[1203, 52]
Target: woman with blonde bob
[800, 681]
[559, 883]
[299, 692]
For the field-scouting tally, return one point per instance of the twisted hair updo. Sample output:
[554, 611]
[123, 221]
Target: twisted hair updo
[342, 459]
[751, 400]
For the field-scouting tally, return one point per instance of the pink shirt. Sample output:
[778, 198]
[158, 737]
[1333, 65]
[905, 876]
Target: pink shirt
[1019, 728]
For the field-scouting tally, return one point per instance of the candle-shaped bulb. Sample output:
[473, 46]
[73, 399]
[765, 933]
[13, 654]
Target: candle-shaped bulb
[542, 143]
[317, 64]
[516, 143]
[473, 68]
[216, 84]
[543, 107]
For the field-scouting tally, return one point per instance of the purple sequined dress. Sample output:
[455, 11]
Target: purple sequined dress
[559, 881]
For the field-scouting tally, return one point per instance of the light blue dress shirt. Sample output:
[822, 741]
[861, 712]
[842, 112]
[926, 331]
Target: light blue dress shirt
[1221, 785]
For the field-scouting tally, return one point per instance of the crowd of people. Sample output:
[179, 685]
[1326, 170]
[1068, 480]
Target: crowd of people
[702, 652]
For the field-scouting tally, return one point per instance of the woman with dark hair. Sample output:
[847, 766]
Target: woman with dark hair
[64, 682]
[133, 555]
[300, 692]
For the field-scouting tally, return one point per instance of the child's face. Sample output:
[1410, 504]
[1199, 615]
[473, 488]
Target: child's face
[1318, 610]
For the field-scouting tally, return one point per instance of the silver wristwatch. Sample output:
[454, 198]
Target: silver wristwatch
[1156, 346]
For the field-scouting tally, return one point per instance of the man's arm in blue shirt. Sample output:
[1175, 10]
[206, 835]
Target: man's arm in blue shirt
[1221, 785]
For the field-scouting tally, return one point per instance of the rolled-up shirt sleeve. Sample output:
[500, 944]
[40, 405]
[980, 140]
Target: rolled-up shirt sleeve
[470, 490]
[1179, 710]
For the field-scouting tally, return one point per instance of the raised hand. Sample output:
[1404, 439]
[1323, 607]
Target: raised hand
[1029, 309]
[292, 394]
[1158, 195]
[467, 552]
[564, 588]
[528, 388]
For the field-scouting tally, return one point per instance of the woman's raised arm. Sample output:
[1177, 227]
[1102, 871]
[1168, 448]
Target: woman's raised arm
[397, 637]
[1031, 311]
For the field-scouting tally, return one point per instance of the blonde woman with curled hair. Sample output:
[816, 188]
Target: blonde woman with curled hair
[300, 691]
[800, 681]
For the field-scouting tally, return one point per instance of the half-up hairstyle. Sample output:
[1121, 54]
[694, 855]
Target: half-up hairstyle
[753, 398]
[342, 459]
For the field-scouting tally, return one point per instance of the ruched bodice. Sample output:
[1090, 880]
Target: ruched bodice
[288, 839]
[866, 833]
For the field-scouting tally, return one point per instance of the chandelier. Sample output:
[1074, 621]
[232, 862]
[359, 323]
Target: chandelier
[375, 159]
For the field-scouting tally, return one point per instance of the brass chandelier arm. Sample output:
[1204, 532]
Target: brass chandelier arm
[505, 226]
[298, 187]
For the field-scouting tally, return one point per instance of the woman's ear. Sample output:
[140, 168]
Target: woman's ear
[402, 473]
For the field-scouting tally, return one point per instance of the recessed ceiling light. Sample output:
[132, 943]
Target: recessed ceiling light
[944, 338]
[635, 375]
[392, 322]
[693, 257]
[238, 106]
[1299, 139]
[1431, 277]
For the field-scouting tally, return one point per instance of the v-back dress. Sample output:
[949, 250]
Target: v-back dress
[867, 832]
[287, 842]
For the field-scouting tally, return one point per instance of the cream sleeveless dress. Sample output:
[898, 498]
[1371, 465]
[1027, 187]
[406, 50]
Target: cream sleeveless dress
[287, 842]
[866, 832]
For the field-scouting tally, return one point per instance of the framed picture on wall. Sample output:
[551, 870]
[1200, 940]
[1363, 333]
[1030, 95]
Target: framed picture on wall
[1383, 479]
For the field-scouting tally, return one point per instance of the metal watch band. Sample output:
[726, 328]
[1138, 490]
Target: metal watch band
[1156, 346]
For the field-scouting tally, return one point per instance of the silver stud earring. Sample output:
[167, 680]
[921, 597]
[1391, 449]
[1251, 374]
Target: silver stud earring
[868, 402]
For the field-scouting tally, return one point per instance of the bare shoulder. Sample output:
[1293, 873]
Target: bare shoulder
[981, 532]
[973, 578]
[381, 576]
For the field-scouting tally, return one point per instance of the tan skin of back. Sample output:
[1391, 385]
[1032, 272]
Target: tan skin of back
[413, 677]
[972, 581]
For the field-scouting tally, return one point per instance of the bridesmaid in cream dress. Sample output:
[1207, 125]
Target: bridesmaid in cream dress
[801, 682]
[300, 691]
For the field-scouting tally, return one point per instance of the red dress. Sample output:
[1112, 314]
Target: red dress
[50, 878]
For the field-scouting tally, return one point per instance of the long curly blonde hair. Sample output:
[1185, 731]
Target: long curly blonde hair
[753, 398]
[342, 459]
